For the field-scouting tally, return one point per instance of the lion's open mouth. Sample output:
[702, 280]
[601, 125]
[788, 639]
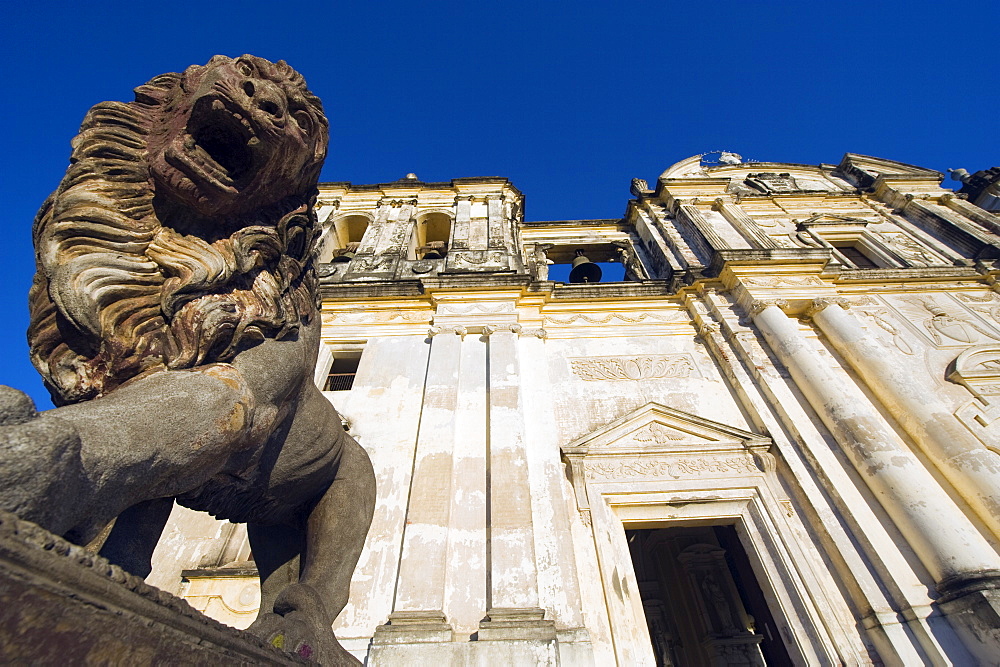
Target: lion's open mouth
[220, 141]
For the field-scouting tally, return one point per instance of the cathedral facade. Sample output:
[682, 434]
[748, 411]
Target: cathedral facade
[753, 421]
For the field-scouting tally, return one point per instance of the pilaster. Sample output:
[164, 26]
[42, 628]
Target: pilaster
[746, 225]
[705, 235]
[420, 589]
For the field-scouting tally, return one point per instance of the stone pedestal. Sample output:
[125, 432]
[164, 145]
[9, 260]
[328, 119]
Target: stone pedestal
[525, 624]
[973, 606]
[60, 603]
[508, 636]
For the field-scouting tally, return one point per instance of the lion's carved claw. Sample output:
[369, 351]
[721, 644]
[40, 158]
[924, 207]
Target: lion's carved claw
[300, 624]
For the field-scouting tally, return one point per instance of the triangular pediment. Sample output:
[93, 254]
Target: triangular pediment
[867, 168]
[655, 427]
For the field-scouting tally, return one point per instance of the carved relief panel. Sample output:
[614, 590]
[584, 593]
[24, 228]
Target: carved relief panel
[908, 322]
[944, 320]
[642, 367]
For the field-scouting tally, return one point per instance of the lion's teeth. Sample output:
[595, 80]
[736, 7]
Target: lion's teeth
[253, 141]
[217, 105]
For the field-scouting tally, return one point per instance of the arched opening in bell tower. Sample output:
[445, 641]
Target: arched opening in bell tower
[343, 238]
[431, 235]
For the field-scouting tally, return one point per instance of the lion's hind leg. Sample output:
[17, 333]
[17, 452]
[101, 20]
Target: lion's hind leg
[306, 571]
[293, 616]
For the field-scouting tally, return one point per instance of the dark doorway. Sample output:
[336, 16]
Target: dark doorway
[702, 601]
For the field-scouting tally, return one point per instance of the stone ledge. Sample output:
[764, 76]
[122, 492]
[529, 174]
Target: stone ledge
[59, 600]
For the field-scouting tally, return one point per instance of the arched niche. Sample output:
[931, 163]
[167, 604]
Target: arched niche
[431, 235]
[343, 235]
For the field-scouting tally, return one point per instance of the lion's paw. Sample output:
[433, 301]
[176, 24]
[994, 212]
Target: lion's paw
[300, 624]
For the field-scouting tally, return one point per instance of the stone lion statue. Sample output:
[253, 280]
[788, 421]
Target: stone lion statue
[174, 319]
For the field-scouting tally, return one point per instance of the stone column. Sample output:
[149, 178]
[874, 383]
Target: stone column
[941, 536]
[513, 586]
[418, 608]
[966, 463]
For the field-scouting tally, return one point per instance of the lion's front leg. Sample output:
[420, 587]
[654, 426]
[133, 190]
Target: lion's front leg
[157, 437]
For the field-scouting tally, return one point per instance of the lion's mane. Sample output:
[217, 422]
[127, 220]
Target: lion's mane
[119, 293]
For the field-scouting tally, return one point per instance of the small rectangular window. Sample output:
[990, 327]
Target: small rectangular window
[342, 373]
[856, 256]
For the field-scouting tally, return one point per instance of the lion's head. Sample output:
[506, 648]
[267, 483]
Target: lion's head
[183, 230]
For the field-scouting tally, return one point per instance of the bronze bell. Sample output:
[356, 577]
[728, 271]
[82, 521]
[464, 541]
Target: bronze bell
[434, 250]
[344, 257]
[584, 271]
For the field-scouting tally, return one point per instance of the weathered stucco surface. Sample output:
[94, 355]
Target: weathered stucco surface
[807, 356]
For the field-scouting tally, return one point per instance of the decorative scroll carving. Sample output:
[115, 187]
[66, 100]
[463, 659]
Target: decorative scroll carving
[783, 281]
[704, 466]
[376, 317]
[458, 331]
[621, 317]
[479, 259]
[372, 264]
[760, 305]
[824, 302]
[909, 249]
[978, 369]
[647, 367]
[880, 317]
[987, 304]
[467, 309]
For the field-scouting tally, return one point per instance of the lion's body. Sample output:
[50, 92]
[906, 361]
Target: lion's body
[173, 316]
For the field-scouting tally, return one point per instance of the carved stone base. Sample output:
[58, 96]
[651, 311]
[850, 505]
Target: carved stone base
[516, 624]
[60, 603]
[505, 637]
[973, 609]
[414, 627]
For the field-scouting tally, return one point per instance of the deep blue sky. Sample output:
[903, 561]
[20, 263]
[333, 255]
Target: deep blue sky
[570, 100]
